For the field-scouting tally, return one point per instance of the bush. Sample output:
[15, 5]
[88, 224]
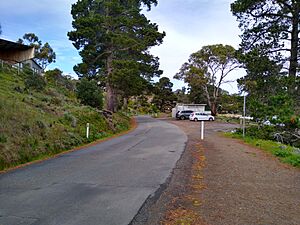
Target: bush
[35, 82]
[89, 93]
[260, 132]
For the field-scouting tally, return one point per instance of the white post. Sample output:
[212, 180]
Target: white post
[244, 119]
[87, 130]
[202, 130]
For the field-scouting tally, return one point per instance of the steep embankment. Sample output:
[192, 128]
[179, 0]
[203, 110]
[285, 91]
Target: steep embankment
[36, 124]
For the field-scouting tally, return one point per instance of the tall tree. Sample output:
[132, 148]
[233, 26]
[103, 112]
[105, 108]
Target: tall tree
[113, 38]
[207, 69]
[182, 96]
[44, 54]
[272, 28]
[164, 97]
[263, 77]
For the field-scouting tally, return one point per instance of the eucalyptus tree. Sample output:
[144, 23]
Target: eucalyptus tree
[208, 69]
[44, 53]
[272, 28]
[113, 38]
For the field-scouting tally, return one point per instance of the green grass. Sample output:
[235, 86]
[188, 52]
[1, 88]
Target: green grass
[225, 119]
[35, 125]
[284, 152]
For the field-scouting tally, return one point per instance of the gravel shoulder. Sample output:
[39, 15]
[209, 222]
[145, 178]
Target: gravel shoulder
[223, 181]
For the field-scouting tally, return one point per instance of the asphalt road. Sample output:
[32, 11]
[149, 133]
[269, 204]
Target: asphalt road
[103, 184]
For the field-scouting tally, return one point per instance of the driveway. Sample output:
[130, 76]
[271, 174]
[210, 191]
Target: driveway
[103, 184]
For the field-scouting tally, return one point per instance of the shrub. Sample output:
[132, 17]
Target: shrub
[293, 160]
[260, 132]
[56, 101]
[35, 82]
[89, 93]
[3, 138]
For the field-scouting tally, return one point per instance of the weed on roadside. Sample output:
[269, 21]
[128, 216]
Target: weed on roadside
[285, 153]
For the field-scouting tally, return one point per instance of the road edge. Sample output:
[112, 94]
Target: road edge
[133, 126]
[143, 212]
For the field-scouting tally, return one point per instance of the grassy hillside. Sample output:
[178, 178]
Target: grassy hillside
[37, 124]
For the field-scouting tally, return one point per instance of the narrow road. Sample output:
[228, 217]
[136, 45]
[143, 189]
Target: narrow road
[222, 181]
[103, 184]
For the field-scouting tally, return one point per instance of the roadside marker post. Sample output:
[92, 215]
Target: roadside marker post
[87, 130]
[244, 119]
[202, 130]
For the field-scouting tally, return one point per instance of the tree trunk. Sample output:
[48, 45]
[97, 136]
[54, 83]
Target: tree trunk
[111, 97]
[213, 108]
[125, 103]
[294, 43]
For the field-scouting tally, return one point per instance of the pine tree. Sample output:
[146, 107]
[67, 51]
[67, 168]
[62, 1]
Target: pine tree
[114, 38]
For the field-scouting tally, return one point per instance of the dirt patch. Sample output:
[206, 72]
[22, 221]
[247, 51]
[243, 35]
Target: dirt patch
[222, 181]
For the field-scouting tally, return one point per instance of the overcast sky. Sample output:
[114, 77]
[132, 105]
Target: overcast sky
[189, 24]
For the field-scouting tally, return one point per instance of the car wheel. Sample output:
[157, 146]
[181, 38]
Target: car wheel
[211, 119]
[195, 119]
[182, 118]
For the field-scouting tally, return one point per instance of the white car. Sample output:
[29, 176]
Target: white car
[197, 116]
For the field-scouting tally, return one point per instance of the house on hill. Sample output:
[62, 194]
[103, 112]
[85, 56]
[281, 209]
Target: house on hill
[19, 55]
[34, 66]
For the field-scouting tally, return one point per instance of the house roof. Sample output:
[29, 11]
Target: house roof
[13, 52]
[9, 45]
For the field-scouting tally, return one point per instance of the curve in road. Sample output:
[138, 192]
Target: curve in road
[102, 184]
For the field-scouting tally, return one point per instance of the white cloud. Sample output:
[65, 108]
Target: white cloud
[190, 26]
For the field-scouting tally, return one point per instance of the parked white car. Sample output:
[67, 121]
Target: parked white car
[197, 116]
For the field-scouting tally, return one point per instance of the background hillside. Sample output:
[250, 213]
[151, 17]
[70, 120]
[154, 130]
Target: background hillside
[41, 116]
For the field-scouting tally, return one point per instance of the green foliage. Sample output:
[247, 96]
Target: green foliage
[182, 96]
[270, 54]
[54, 75]
[89, 93]
[44, 54]
[164, 97]
[141, 105]
[278, 109]
[56, 78]
[231, 103]
[259, 132]
[35, 125]
[121, 122]
[35, 82]
[287, 154]
[113, 38]
[292, 159]
[270, 27]
[285, 134]
[3, 138]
